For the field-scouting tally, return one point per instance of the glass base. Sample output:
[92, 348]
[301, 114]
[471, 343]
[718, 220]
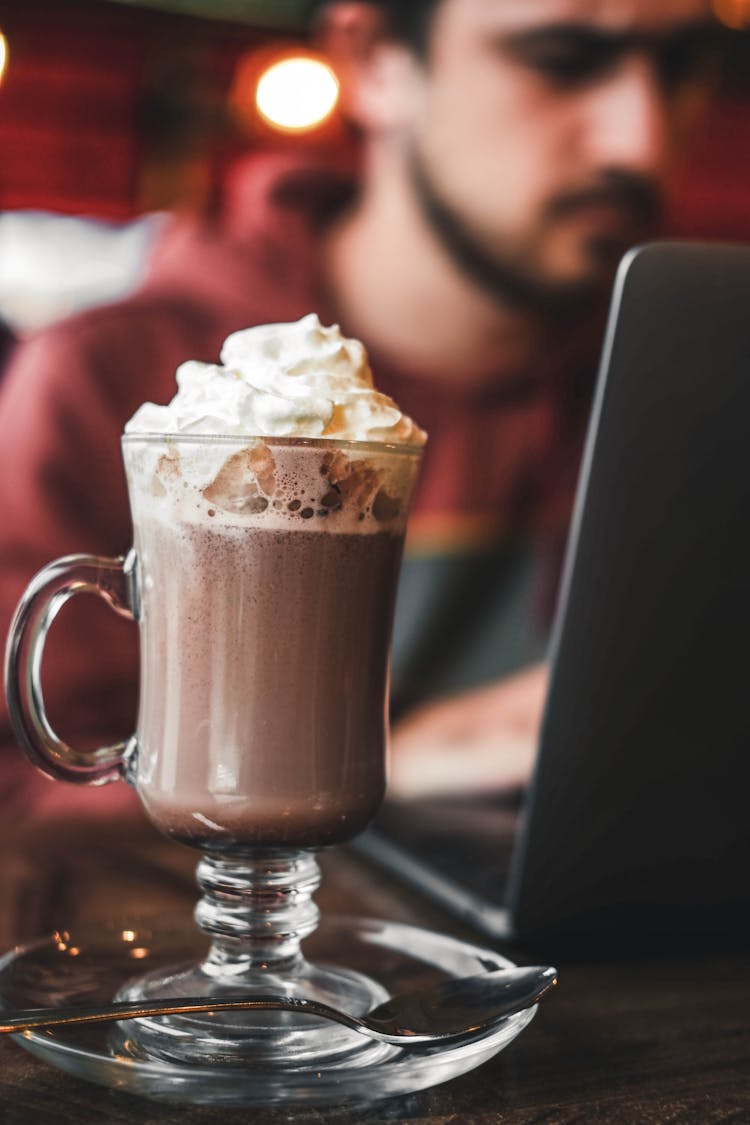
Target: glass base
[284, 1040]
[256, 908]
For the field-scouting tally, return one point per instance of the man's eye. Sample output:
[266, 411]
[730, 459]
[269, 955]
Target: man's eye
[569, 58]
[568, 63]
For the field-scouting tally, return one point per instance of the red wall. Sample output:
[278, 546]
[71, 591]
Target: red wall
[74, 135]
[712, 197]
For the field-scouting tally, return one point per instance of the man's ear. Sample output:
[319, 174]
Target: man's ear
[375, 72]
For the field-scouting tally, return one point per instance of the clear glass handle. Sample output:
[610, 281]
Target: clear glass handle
[111, 579]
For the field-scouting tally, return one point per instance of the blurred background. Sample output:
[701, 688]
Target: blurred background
[114, 112]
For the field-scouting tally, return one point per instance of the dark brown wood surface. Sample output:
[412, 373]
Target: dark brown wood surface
[634, 1041]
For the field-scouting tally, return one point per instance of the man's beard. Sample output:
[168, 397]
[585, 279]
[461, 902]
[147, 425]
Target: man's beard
[511, 276]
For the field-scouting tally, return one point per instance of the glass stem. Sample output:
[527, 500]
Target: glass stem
[257, 908]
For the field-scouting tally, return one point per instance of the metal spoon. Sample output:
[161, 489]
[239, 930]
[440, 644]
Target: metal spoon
[449, 1010]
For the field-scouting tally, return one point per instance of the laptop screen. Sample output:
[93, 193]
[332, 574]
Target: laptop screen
[635, 822]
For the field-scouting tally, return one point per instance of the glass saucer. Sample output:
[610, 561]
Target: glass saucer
[89, 966]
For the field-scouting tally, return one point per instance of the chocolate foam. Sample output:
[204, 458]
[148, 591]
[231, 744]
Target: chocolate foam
[274, 486]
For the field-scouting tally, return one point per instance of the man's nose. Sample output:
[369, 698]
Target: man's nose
[629, 125]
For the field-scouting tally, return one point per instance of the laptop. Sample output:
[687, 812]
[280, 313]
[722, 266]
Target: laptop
[635, 826]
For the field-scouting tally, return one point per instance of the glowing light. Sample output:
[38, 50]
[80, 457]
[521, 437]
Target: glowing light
[128, 935]
[733, 13]
[139, 952]
[3, 55]
[297, 94]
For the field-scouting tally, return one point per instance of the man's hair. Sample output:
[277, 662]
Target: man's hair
[408, 21]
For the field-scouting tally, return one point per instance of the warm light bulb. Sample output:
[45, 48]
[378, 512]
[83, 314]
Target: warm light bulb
[297, 94]
[3, 55]
[733, 13]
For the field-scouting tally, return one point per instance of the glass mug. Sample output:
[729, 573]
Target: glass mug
[263, 578]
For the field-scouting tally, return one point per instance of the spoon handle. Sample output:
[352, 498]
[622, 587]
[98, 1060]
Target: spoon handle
[15, 1020]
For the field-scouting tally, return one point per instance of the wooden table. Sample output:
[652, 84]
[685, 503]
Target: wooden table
[646, 1041]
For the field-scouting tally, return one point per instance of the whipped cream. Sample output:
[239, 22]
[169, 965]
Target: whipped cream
[282, 380]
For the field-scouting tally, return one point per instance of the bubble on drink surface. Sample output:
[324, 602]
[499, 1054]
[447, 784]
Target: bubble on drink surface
[332, 499]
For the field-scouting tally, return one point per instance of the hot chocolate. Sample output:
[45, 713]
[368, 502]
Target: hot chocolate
[262, 712]
[267, 572]
[267, 569]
